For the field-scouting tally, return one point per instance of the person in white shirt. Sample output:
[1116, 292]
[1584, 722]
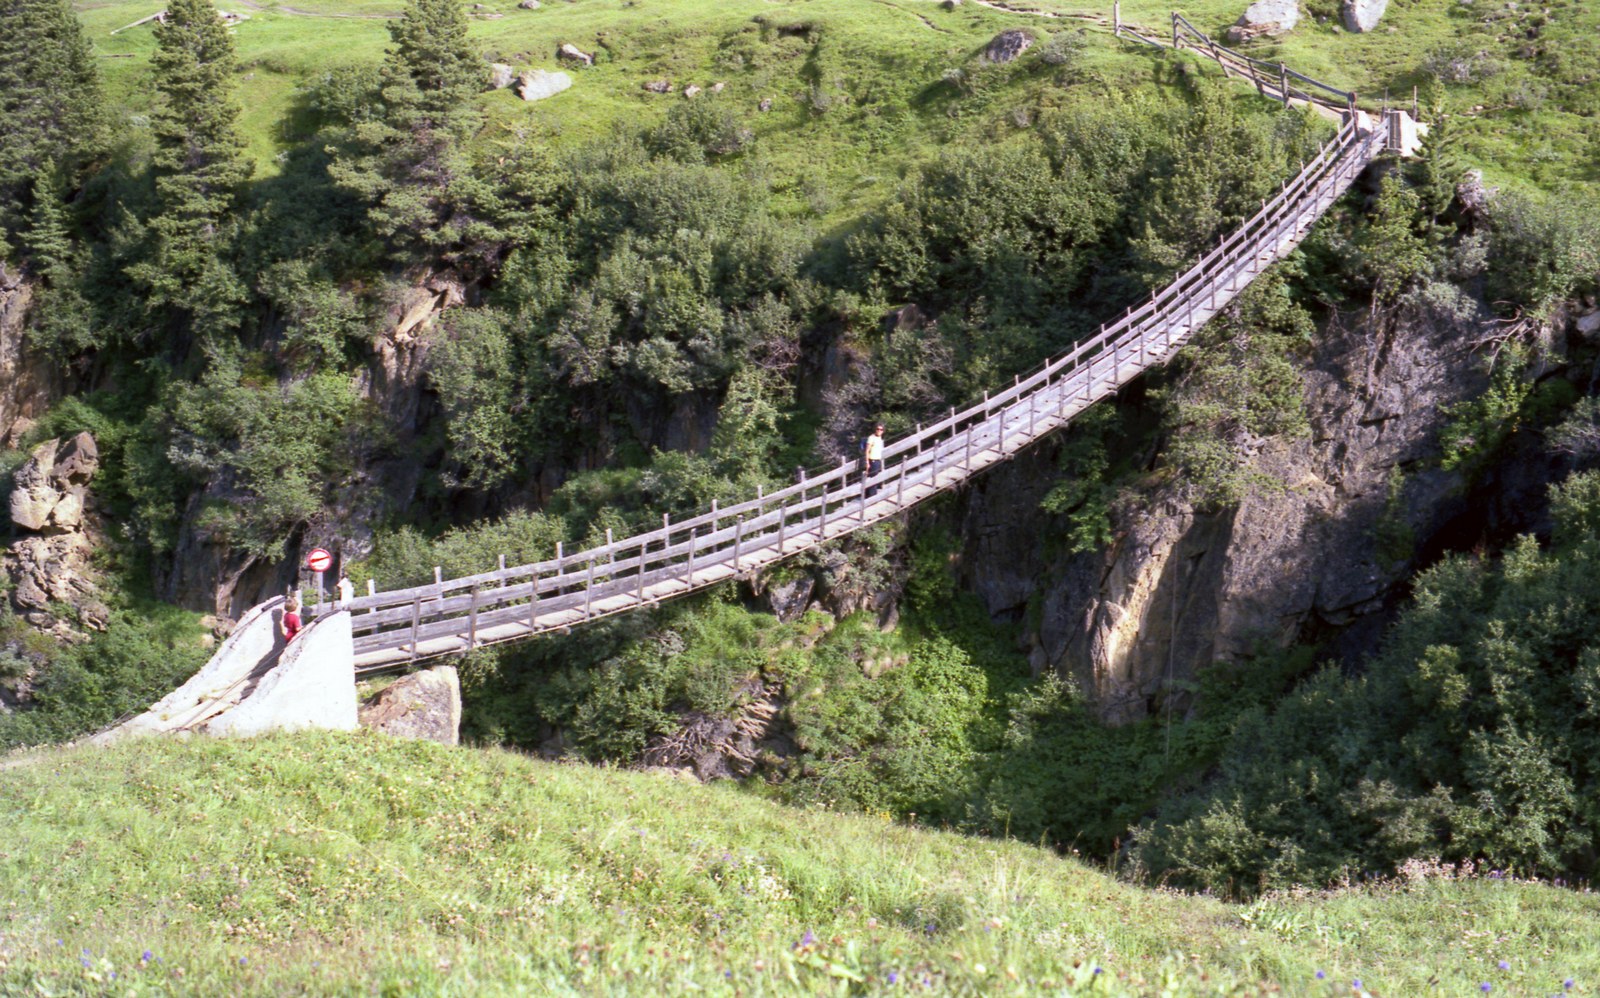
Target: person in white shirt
[872, 451]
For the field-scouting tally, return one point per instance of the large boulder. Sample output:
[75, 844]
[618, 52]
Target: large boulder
[1265, 18]
[425, 705]
[537, 84]
[1007, 45]
[49, 567]
[1363, 15]
[501, 75]
[49, 488]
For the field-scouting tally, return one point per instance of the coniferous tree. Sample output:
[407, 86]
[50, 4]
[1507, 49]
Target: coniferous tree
[50, 104]
[407, 163]
[1437, 167]
[432, 71]
[199, 166]
[62, 322]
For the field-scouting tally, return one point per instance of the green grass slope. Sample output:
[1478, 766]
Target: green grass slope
[860, 87]
[332, 864]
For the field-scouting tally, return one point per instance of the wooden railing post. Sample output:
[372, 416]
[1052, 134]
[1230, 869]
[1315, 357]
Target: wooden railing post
[738, 538]
[472, 620]
[533, 605]
[416, 625]
[783, 516]
[643, 544]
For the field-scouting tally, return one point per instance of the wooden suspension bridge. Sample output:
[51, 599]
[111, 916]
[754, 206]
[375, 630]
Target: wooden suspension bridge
[396, 628]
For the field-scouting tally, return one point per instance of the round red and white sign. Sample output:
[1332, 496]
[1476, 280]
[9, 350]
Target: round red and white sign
[319, 560]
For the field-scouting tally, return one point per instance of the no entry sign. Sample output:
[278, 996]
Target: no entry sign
[319, 560]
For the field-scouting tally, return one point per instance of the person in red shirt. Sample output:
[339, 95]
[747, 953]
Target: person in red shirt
[290, 625]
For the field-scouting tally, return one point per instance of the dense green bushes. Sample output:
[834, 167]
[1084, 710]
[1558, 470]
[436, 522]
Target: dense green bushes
[1473, 735]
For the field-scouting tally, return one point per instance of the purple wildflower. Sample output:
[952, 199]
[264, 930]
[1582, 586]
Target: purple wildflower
[1355, 985]
[146, 956]
[1486, 987]
[1505, 965]
[894, 978]
[1321, 975]
[1566, 985]
[1099, 970]
[243, 961]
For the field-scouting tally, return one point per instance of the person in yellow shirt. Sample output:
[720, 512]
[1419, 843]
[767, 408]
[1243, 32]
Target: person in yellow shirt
[872, 451]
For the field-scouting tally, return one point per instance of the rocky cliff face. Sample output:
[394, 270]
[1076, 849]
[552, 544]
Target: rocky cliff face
[1180, 589]
[28, 384]
[48, 567]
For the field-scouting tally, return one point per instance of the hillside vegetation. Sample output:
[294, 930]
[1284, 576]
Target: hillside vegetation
[356, 864]
[309, 281]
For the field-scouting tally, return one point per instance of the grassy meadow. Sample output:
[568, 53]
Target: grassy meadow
[859, 88]
[332, 864]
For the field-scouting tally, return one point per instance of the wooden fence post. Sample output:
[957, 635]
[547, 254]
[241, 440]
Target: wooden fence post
[588, 589]
[783, 516]
[533, 605]
[472, 620]
[416, 625]
[1116, 14]
[738, 537]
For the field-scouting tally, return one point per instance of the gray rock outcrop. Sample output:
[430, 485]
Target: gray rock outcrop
[658, 86]
[424, 705]
[501, 75]
[1007, 45]
[49, 567]
[1180, 589]
[1265, 18]
[528, 5]
[1363, 15]
[537, 84]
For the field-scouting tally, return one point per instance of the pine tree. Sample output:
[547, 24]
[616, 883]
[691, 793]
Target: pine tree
[1438, 167]
[63, 323]
[199, 164]
[50, 104]
[432, 71]
[407, 165]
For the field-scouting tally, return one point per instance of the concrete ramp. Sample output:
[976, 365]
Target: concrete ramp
[254, 683]
[313, 685]
[247, 653]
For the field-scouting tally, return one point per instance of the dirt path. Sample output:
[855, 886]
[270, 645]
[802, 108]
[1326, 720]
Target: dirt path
[297, 12]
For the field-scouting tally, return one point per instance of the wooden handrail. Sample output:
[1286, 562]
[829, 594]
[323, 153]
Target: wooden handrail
[396, 626]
